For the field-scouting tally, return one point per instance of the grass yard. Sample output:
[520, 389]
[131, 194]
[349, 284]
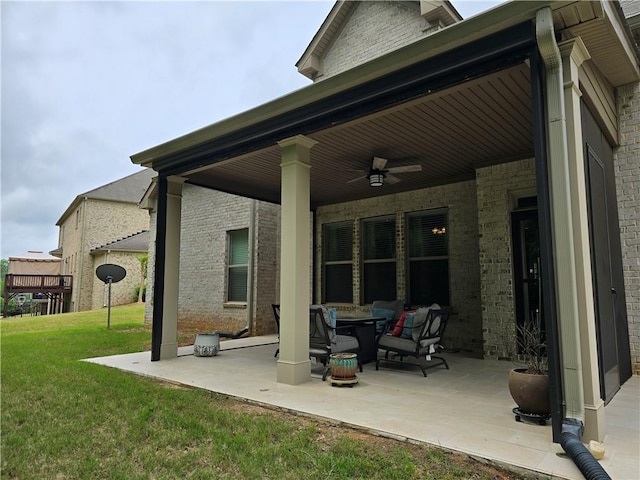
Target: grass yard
[67, 419]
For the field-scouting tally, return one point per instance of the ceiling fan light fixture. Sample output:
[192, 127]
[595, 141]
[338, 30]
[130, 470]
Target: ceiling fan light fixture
[376, 179]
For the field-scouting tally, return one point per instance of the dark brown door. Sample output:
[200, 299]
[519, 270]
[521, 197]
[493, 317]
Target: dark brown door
[602, 282]
[612, 332]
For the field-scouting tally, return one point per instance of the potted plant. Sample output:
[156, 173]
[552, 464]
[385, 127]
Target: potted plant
[529, 385]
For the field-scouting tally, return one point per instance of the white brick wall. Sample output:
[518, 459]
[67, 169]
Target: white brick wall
[498, 187]
[465, 328]
[207, 216]
[267, 264]
[627, 168]
[374, 28]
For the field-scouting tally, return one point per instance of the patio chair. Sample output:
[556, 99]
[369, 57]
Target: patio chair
[324, 339]
[423, 341]
[276, 314]
[390, 310]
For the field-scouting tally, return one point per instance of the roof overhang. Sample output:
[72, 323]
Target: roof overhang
[455, 101]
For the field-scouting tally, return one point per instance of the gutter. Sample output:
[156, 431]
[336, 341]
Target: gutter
[573, 423]
[82, 248]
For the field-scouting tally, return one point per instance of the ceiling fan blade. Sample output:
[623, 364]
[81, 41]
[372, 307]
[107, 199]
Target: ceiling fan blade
[378, 163]
[356, 179]
[390, 179]
[405, 169]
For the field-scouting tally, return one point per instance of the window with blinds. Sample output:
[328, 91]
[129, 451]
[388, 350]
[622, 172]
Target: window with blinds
[427, 248]
[378, 281]
[337, 243]
[238, 265]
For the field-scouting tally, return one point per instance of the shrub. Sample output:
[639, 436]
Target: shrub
[137, 290]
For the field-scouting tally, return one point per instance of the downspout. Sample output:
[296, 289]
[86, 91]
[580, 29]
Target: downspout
[315, 292]
[561, 218]
[159, 268]
[572, 425]
[548, 282]
[82, 244]
[251, 267]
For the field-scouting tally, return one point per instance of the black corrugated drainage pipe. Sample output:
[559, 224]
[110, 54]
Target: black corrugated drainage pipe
[581, 456]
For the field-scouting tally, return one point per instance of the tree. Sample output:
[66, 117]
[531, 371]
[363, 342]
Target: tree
[4, 269]
[144, 260]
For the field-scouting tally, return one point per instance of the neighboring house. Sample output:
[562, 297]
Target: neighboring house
[93, 220]
[513, 136]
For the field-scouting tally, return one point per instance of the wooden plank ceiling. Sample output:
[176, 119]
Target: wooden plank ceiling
[449, 133]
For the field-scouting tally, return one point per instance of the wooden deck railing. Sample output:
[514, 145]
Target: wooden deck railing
[38, 283]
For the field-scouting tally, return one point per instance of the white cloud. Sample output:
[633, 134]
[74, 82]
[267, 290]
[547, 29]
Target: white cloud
[87, 84]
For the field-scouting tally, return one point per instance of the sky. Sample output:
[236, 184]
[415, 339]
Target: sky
[85, 85]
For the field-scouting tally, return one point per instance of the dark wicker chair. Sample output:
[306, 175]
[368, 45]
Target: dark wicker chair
[325, 340]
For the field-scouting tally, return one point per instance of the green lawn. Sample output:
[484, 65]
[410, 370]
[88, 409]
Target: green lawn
[67, 419]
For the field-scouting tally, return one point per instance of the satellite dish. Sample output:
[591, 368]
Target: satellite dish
[110, 273]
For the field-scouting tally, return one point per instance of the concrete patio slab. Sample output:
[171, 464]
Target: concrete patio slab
[466, 408]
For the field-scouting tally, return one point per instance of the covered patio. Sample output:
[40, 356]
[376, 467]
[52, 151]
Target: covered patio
[465, 409]
[516, 86]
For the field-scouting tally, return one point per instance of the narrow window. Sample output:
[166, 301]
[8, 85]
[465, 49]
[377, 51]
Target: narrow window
[378, 259]
[428, 258]
[338, 262]
[238, 261]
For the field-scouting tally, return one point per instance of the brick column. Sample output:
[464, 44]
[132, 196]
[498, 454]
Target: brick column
[293, 364]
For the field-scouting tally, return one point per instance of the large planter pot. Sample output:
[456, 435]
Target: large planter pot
[206, 345]
[343, 366]
[530, 391]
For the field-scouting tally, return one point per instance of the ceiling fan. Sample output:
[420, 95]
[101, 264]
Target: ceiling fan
[377, 173]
